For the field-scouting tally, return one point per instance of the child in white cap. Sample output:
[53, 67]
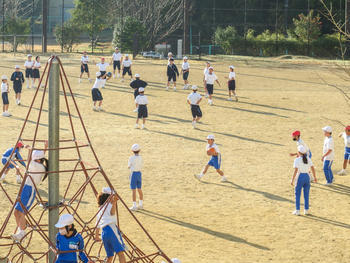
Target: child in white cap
[117, 57]
[135, 166]
[174, 260]
[18, 79]
[68, 239]
[37, 172]
[301, 179]
[28, 65]
[185, 70]
[193, 100]
[84, 66]
[205, 72]
[232, 84]
[102, 66]
[209, 80]
[5, 97]
[141, 104]
[126, 66]
[215, 160]
[328, 154]
[346, 136]
[106, 221]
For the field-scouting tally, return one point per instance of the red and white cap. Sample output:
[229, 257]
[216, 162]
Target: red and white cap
[296, 133]
[20, 144]
[347, 128]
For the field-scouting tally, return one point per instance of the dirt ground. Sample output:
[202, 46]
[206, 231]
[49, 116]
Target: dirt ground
[249, 218]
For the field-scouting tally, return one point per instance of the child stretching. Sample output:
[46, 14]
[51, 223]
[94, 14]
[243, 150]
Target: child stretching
[215, 161]
[346, 136]
[107, 221]
[95, 91]
[18, 79]
[5, 96]
[68, 239]
[135, 166]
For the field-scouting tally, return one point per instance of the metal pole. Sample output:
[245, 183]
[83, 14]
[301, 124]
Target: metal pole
[308, 28]
[53, 178]
[62, 23]
[276, 28]
[199, 45]
[44, 29]
[286, 4]
[214, 21]
[32, 26]
[245, 25]
[3, 25]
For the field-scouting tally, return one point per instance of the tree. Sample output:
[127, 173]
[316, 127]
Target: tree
[307, 28]
[17, 27]
[90, 16]
[226, 38]
[68, 35]
[131, 35]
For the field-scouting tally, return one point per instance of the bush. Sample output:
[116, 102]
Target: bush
[70, 36]
[17, 27]
[226, 38]
[307, 27]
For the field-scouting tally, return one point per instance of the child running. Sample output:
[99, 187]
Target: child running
[185, 71]
[136, 84]
[36, 72]
[107, 221]
[5, 96]
[232, 84]
[301, 179]
[215, 161]
[127, 67]
[28, 65]
[193, 100]
[102, 66]
[69, 242]
[328, 154]
[18, 79]
[346, 136]
[37, 172]
[117, 58]
[296, 137]
[84, 66]
[96, 90]
[172, 71]
[135, 166]
[141, 104]
[209, 80]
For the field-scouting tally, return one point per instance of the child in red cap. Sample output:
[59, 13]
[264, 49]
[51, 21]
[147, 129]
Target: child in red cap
[346, 136]
[296, 137]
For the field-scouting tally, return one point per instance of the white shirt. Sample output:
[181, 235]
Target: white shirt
[301, 142]
[135, 163]
[302, 167]
[346, 139]
[232, 75]
[194, 97]
[28, 64]
[185, 65]
[35, 167]
[37, 64]
[141, 100]
[102, 67]
[205, 71]
[84, 59]
[117, 56]
[213, 146]
[127, 63]
[328, 145]
[210, 78]
[98, 83]
[104, 217]
[4, 87]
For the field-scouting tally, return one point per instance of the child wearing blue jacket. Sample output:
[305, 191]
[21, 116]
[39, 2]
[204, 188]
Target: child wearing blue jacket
[68, 239]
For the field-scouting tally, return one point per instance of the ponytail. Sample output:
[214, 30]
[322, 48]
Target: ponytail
[45, 163]
[305, 158]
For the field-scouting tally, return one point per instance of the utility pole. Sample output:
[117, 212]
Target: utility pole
[3, 25]
[32, 26]
[185, 24]
[308, 27]
[214, 21]
[286, 6]
[276, 28]
[62, 25]
[44, 28]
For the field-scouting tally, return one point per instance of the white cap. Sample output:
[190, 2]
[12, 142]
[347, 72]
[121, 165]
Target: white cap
[37, 155]
[98, 74]
[175, 260]
[141, 89]
[137, 75]
[194, 87]
[29, 55]
[3, 77]
[170, 54]
[210, 137]
[327, 129]
[232, 67]
[107, 190]
[126, 55]
[301, 149]
[135, 147]
[185, 57]
[16, 66]
[211, 68]
[65, 220]
[116, 48]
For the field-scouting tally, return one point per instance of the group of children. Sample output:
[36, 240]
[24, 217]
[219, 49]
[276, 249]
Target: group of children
[303, 164]
[32, 75]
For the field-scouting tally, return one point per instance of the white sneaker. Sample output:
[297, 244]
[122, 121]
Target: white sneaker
[136, 110]
[79, 81]
[328, 184]
[342, 172]
[167, 88]
[19, 180]
[33, 87]
[142, 127]
[99, 109]
[229, 99]
[296, 212]
[28, 87]
[118, 75]
[90, 80]
[133, 208]
[198, 176]
[136, 126]
[19, 102]
[17, 237]
[114, 76]
[94, 108]
[223, 179]
[174, 88]
[306, 212]
[122, 80]
[194, 124]
[6, 114]
[140, 207]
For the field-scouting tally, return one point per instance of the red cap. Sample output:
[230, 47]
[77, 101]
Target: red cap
[347, 128]
[296, 133]
[20, 144]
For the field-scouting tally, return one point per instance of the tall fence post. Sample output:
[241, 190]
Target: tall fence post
[53, 178]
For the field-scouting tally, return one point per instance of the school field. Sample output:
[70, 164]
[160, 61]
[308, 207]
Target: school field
[248, 219]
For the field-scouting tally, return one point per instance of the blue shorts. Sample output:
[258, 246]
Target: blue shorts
[5, 98]
[4, 161]
[215, 161]
[136, 180]
[347, 153]
[112, 240]
[27, 198]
